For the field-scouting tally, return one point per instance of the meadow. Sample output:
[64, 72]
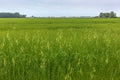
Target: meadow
[60, 49]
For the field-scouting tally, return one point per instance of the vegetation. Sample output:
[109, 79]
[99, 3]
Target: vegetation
[60, 49]
[108, 15]
[11, 15]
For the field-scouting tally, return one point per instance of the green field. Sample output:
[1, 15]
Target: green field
[60, 49]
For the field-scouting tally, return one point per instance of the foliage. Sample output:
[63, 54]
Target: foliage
[11, 15]
[108, 15]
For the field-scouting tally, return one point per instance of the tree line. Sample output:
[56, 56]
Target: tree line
[12, 15]
[18, 15]
[108, 15]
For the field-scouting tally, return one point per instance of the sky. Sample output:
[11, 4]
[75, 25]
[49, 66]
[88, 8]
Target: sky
[45, 8]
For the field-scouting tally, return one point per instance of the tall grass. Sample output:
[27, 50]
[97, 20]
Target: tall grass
[59, 49]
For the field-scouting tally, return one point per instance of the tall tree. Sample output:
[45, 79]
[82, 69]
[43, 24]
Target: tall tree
[112, 14]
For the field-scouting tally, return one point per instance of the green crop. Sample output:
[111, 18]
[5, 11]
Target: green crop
[60, 49]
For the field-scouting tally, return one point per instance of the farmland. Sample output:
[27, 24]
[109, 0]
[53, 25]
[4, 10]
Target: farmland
[60, 49]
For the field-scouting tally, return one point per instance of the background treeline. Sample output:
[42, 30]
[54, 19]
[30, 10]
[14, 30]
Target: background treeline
[11, 15]
[111, 14]
[107, 15]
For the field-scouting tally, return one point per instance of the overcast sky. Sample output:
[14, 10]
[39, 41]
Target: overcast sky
[60, 7]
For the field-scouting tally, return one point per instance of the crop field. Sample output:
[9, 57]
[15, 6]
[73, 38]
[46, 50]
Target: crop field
[60, 49]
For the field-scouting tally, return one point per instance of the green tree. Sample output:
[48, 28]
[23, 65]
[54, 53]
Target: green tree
[11, 15]
[108, 15]
[112, 14]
